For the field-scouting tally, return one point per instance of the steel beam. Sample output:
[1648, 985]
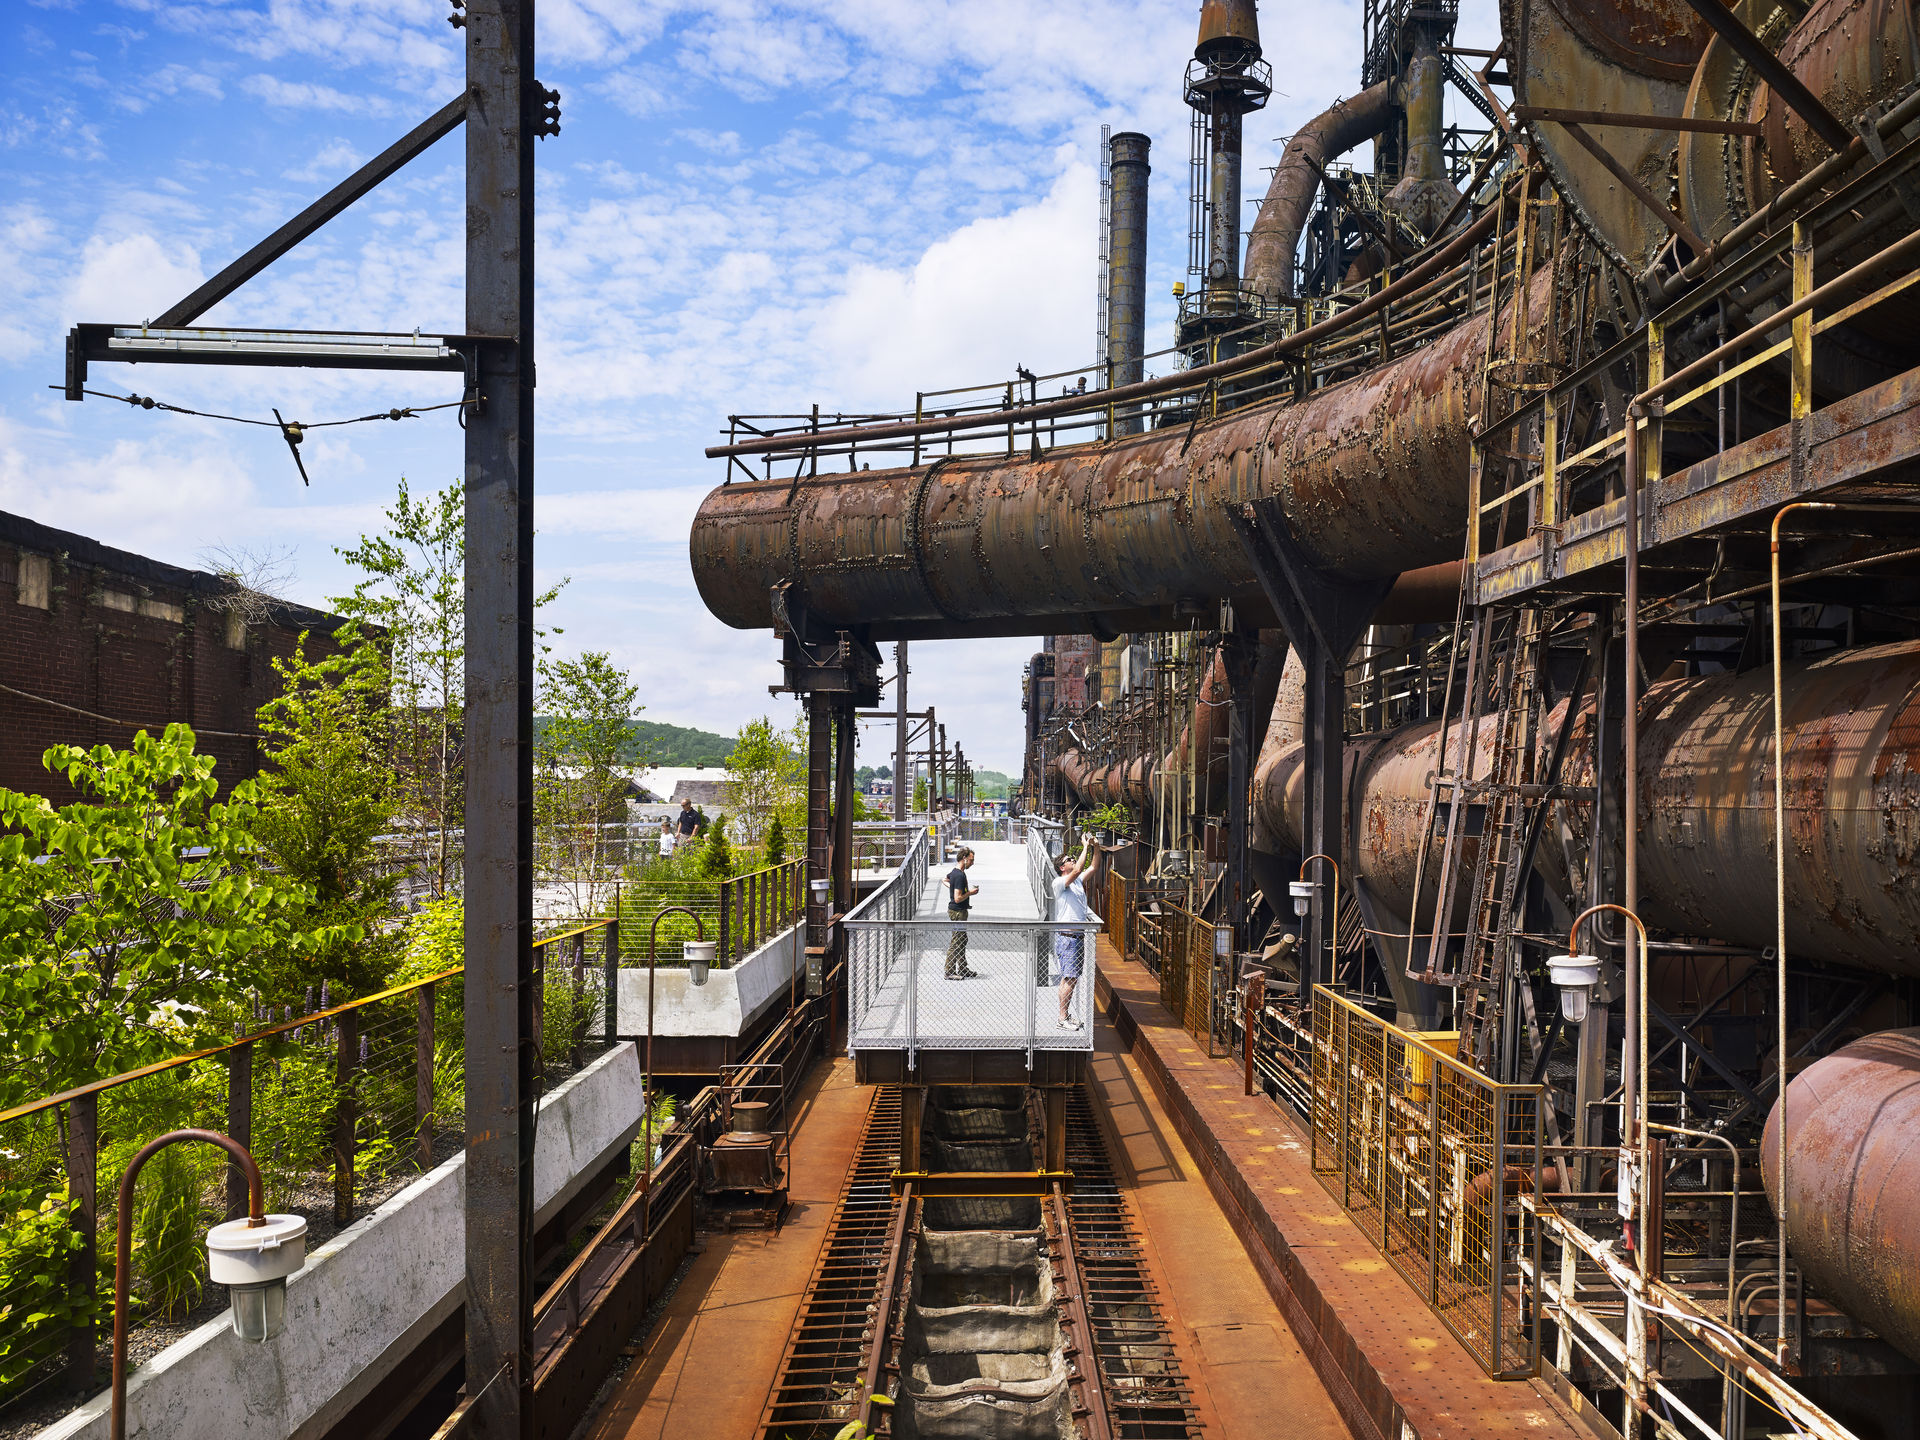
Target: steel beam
[369, 175]
[1769, 67]
[499, 724]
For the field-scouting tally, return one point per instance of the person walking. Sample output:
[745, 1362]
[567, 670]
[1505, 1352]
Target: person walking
[959, 904]
[666, 839]
[689, 826]
[1070, 908]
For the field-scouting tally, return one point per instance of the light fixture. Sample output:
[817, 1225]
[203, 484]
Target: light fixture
[820, 888]
[699, 955]
[1302, 893]
[253, 1261]
[1576, 976]
[1222, 941]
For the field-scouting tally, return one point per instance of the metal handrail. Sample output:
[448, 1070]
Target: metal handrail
[95, 1087]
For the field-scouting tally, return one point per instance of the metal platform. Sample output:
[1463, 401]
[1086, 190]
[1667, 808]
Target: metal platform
[930, 997]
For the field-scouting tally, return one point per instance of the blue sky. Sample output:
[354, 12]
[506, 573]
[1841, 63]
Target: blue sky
[751, 207]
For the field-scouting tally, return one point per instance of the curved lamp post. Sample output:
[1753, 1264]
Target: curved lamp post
[704, 957]
[252, 1257]
[1633, 1060]
[1303, 891]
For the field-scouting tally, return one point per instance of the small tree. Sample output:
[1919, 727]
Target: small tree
[716, 854]
[920, 796]
[776, 846]
[578, 787]
[327, 795]
[135, 922]
[763, 772]
[413, 588]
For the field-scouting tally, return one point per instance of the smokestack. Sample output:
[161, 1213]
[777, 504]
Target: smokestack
[1127, 270]
[1229, 43]
[1424, 195]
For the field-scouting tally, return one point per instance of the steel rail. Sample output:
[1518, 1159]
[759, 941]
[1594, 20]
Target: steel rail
[1414, 279]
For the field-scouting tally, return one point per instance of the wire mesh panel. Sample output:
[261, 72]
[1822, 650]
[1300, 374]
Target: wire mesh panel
[974, 984]
[1430, 1158]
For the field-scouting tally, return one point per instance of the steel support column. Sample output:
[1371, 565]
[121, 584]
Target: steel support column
[819, 815]
[1323, 615]
[499, 721]
[1238, 651]
[902, 766]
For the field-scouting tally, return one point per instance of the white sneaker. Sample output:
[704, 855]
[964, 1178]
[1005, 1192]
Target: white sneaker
[1071, 1025]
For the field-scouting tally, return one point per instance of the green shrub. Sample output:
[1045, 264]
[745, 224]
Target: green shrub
[37, 1240]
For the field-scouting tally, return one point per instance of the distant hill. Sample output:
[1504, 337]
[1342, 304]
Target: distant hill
[990, 784]
[663, 744]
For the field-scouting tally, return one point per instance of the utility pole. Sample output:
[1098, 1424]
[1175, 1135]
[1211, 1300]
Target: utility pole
[499, 719]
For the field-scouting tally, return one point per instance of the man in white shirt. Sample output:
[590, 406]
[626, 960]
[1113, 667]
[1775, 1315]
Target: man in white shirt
[1070, 908]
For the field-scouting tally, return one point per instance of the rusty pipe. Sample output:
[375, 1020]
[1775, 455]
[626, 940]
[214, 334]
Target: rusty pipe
[1371, 475]
[1851, 1201]
[1275, 236]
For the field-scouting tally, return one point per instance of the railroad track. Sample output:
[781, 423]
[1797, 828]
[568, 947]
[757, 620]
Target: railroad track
[1145, 1392]
[821, 1385]
[1126, 1381]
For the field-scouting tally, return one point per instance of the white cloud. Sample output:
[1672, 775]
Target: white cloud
[331, 161]
[131, 278]
[306, 95]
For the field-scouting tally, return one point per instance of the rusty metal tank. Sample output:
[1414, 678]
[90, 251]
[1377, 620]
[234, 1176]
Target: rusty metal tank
[1852, 725]
[1852, 1200]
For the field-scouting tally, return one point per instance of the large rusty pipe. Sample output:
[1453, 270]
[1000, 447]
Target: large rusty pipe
[1852, 1200]
[1371, 476]
[1705, 781]
[1275, 237]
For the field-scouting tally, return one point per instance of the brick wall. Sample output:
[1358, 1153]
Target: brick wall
[125, 639]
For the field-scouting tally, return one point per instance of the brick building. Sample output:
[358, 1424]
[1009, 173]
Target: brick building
[96, 643]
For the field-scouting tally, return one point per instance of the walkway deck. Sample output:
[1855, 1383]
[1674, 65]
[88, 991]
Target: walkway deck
[993, 1008]
[1392, 1368]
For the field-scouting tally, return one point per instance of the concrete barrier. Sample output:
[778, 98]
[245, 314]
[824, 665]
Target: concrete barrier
[364, 1297]
[730, 1001]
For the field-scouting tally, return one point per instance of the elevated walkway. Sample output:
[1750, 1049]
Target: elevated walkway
[934, 1001]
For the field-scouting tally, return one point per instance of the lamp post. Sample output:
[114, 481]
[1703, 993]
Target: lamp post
[1633, 1069]
[1333, 932]
[705, 947]
[252, 1257]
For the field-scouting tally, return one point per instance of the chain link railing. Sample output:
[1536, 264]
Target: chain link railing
[1431, 1159]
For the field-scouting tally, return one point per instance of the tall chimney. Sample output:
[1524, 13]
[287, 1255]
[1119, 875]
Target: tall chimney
[1127, 270]
[1229, 43]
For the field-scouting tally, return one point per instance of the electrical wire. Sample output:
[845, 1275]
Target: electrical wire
[147, 402]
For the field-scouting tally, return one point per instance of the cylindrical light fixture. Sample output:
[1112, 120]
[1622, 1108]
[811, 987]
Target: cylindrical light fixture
[1302, 893]
[253, 1261]
[1575, 975]
[699, 955]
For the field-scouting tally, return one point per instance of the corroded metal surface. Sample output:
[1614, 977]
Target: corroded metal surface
[1853, 1180]
[1371, 475]
[1852, 724]
[1849, 441]
[1574, 56]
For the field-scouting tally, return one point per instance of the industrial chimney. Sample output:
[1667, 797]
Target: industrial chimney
[1127, 270]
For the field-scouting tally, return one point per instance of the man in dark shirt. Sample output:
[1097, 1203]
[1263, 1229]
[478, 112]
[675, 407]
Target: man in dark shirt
[689, 826]
[959, 902]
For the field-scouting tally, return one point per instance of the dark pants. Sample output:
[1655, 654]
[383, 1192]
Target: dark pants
[957, 945]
